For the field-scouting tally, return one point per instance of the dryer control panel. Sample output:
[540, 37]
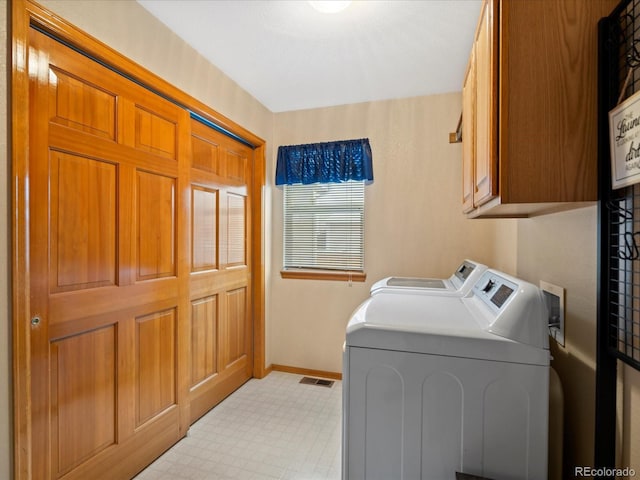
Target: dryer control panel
[510, 307]
[494, 290]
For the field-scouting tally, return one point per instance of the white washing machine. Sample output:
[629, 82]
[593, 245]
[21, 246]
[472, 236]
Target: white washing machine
[438, 385]
[459, 283]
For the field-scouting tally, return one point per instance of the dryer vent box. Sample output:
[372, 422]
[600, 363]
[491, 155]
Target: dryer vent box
[554, 298]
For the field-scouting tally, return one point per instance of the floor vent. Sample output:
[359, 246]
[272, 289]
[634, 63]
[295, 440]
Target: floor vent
[317, 381]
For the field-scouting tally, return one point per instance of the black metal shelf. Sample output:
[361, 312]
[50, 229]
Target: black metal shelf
[618, 330]
[620, 214]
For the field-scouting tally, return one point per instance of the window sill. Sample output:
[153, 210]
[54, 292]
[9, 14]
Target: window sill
[339, 275]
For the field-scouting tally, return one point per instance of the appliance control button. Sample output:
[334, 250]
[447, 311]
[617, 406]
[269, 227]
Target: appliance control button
[490, 284]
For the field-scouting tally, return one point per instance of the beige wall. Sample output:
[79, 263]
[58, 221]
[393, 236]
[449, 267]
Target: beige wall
[562, 249]
[413, 220]
[413, 223]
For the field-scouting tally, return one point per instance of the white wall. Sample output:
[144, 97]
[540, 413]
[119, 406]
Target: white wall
[413, 220]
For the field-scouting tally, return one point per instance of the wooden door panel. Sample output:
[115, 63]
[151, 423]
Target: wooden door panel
[121, 260]
[236, 167]
[204, 225]
[78, 104]
[83, 397]
[109, 385]
[204, 284]
[204, 339]
[83, 205]
[155, 364]
[220, 277]
[235, 346]
[75, 310]
[154, 133]
[236, 230]
[156, 225]
[205, 152]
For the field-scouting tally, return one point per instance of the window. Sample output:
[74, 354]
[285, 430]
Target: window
[324, 208]
[324, 229]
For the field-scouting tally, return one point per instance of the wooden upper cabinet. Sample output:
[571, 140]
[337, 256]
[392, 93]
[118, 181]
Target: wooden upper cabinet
[480, 159]
[468, 135]
[534, 140]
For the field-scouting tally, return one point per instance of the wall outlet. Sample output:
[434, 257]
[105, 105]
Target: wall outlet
[554, 298]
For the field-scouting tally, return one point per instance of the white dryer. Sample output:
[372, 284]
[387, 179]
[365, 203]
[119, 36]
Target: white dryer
[437, 385]
[459, 283]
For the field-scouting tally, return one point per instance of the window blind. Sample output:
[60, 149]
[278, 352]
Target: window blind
[324, 226]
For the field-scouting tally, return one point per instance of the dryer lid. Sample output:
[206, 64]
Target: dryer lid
[433, 325]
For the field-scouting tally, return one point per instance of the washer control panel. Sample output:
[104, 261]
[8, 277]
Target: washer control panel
[466, 275]
[465, 270]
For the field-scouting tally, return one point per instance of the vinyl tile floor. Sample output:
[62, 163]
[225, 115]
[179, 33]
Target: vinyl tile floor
[270, 429]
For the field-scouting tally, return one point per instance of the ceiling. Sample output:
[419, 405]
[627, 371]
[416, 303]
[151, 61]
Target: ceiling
[291, 57]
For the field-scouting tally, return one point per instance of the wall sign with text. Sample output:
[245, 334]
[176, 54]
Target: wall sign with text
[624, 139]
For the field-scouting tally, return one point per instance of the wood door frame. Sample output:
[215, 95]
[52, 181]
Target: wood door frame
[25, 13]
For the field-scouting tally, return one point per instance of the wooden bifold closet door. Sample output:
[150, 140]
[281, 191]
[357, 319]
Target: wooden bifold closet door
[221, 328]
[139, 267]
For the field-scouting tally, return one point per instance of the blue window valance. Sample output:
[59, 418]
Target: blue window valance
[328, 162]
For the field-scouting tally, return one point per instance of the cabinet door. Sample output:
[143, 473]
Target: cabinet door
[486, 160]
[468, 135]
